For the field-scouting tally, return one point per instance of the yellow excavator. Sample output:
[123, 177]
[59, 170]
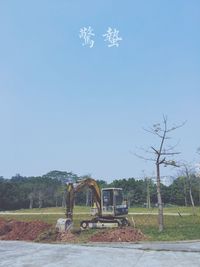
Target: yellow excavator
[109, 211]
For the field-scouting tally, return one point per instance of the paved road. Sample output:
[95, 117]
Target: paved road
[22, 254]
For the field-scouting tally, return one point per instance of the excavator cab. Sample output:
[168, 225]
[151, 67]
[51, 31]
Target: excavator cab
[112, 202]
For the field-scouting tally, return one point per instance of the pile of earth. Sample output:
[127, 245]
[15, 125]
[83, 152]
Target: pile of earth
[43, 232]
[67, 237]
[126, 234]
[16, 230]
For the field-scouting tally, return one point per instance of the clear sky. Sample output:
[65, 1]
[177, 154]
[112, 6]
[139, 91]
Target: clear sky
[69, 107]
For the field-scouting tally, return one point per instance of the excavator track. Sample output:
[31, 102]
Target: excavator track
[104, 222]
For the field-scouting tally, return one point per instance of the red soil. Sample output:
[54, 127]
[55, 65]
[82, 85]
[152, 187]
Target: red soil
[66, 237]
[15, 230]
[29, 231]
[127, 234]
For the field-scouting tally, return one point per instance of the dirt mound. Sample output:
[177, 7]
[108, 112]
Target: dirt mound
[4, 227]
[43, 232]
[67, 237]
[127, 234]
[16, 230]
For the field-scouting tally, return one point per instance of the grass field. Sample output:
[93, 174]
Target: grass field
[178, 227]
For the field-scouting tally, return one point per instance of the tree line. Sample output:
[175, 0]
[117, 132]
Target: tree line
[49, 191]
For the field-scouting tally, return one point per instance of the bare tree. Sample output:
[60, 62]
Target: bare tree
[161, 155]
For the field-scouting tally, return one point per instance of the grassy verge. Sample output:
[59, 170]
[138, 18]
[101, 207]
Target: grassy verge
[176, 227]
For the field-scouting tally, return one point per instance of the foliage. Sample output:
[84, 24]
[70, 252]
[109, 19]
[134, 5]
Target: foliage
[48, 191]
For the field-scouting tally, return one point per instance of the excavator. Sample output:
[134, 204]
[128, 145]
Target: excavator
[110, 207]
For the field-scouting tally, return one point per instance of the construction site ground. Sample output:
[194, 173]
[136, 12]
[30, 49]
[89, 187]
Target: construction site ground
[106, 247]
[43, 232]
[179, 223]
[21, 254]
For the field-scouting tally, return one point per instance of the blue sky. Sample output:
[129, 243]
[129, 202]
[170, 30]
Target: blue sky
[68, 107]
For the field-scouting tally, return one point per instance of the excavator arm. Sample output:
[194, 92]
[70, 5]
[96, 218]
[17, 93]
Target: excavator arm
[72, 189]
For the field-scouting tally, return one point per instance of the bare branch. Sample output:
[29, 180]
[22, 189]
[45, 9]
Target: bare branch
[171, 163]
[164, 136]
[152, 131]
[165, 122]
[172, 147]
[162, 161]
[141, 157]
[145, 150]
[170, 153]
[157, 152]
[149, 131]
[187, 167]
[176, 127]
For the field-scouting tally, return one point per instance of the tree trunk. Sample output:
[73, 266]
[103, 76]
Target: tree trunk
[87, 198]
[185, 198]
[190, 191]
[91, 199]
[64, 200]
[191, 198]
[185, 193]
[160, 205]
[199, 192]
[129, 202]
[40, 203]
[31, 203]
[31, 198]
[148, 195]
[40, 199]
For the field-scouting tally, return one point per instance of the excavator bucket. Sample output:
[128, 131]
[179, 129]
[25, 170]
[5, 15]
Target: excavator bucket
[64, 225]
